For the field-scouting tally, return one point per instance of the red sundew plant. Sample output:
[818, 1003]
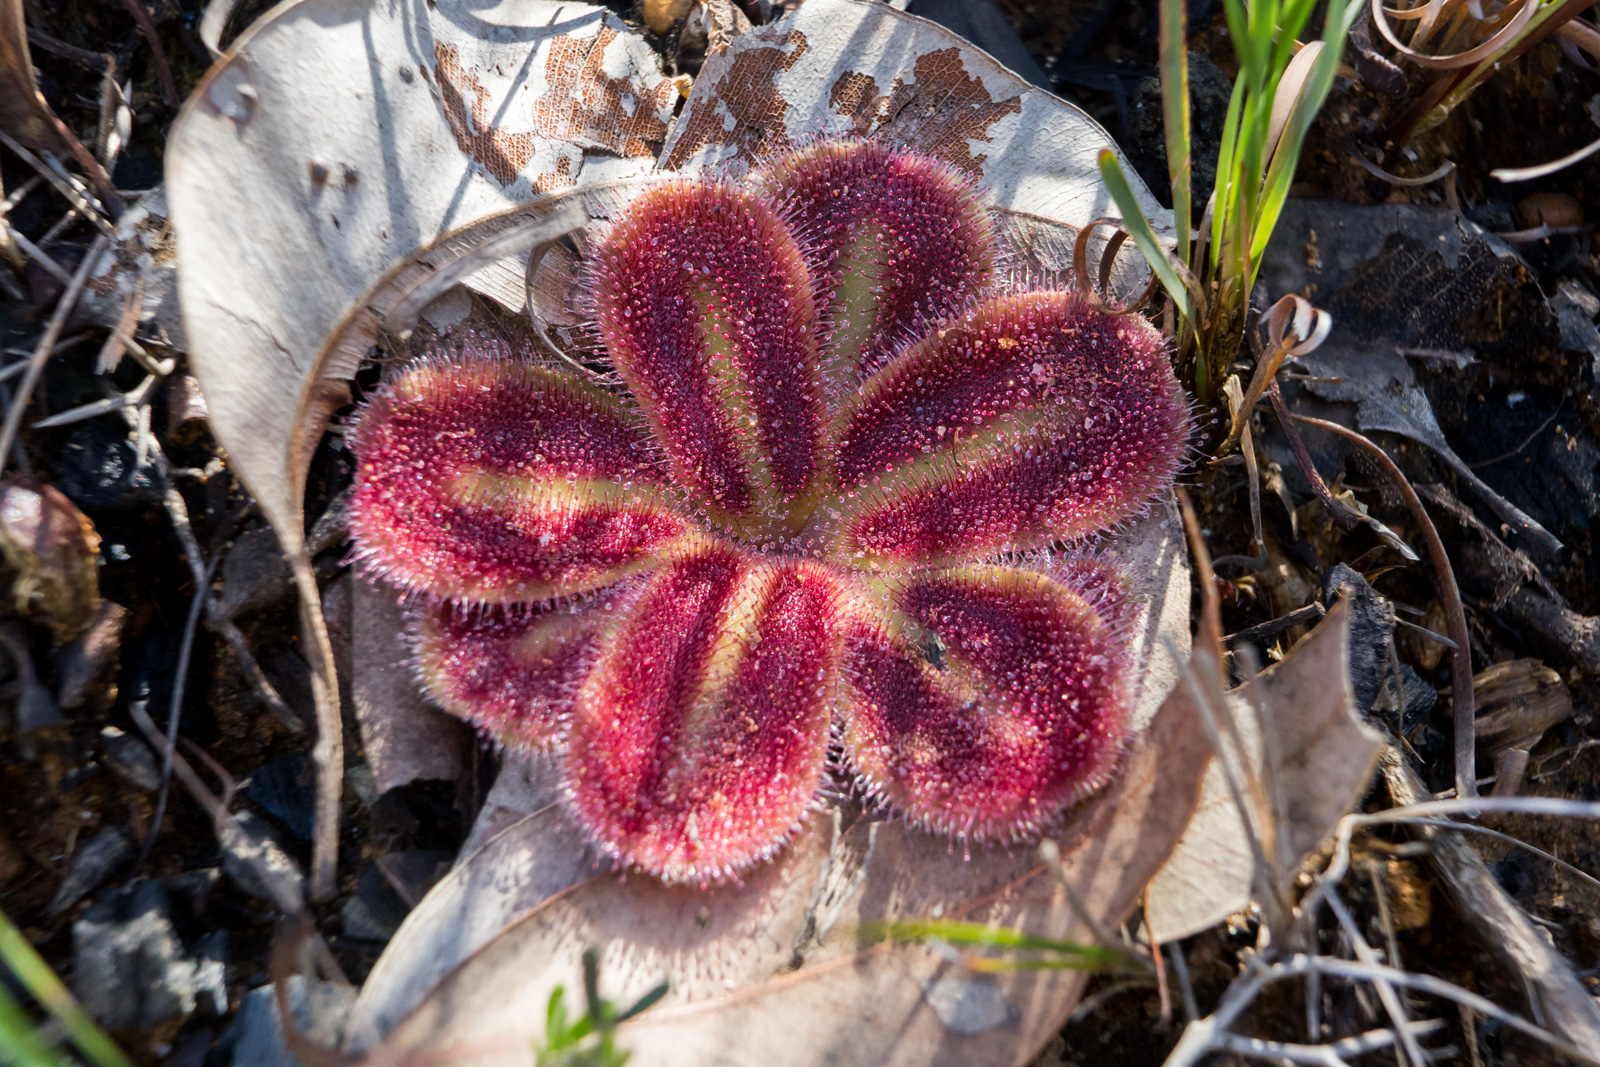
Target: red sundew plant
[824, 502]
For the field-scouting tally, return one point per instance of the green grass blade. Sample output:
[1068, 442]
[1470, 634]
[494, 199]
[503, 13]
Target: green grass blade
[1059, 955]
[1294, 18]
[20, 1043]
[1284, 162]
[1223, 190]
[1144, 237]
[1263, 24]
[1239, 30]
[41, 982]
[1175, 115]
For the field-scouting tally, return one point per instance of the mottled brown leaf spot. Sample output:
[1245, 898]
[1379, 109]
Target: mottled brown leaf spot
[750, 93]
[582, 104]
[500, 153]
[585, 104]
[939, 112]
[856, 95]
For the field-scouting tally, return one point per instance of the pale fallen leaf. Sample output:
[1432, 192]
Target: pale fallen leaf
[292, 194]
[1305, 741]
[776, 969]
[331, 140]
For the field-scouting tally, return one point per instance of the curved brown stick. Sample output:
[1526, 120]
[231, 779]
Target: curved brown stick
[1461, 659]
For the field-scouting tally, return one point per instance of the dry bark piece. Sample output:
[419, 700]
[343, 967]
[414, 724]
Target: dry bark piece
[54, 551]
[1308, 746]
[1561, 633]
[1516, 702]
[98, 859]
[186, 405]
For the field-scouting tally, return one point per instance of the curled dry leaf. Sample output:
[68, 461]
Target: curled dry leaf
[1312, 756]
[54, 553]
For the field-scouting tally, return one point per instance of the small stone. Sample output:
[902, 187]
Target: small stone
[130, 968]
[966, 1005]
[1549, 209]
[89, 664]
[376, 910]
[257, 864]
[286, 787]
[54, 550]
[255, 574]
[320, 1011]
[415, 871]
[96, 861]
[130, 758]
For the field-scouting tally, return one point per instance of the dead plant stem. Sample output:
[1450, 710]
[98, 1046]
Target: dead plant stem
[45, 347]
[179, 679]
[1456, 617]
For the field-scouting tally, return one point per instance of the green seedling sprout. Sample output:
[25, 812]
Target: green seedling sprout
[24, 1044]
[1278, 91]
[591, 1039]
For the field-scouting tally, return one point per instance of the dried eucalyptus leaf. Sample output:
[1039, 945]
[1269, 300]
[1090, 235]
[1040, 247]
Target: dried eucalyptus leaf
[858, 68]
[1303, 736]
[335, 138]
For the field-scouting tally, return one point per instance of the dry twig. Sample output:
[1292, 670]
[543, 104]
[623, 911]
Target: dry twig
[46, 347]
[1449, 595]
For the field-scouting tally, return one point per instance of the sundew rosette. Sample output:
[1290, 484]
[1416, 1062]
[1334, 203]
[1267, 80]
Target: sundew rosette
[830, 504]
